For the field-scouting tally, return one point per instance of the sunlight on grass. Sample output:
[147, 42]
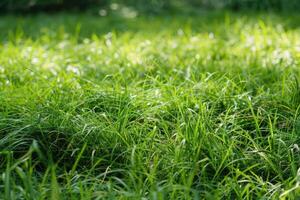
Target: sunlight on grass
[158, 107]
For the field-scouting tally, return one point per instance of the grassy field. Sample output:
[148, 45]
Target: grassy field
[150, 107]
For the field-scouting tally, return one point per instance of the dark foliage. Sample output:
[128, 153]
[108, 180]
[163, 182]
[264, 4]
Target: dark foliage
[46, 5]
[146, 5]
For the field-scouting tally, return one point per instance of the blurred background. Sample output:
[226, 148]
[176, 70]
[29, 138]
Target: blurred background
[145, 6]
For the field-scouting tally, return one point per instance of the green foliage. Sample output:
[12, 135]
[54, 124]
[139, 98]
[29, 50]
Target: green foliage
[212, 4]
[44, 5]
[150, 107]
[153, 6]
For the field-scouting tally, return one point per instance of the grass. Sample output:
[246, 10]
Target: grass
[150, 107]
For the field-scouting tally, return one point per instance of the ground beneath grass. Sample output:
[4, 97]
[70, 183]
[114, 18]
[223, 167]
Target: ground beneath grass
[150, 107]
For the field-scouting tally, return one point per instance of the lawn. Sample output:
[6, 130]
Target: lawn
[171, 106]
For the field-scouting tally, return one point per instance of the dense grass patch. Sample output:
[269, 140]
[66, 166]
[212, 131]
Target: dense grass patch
[155, 107]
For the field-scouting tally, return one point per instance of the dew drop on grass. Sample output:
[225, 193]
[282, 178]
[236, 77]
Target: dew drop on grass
[296, 148]
[174, 45]
[116, 55]
[196, 107]
[108, 43]
[73, 69]
[35, 61]
[180, 32]
[86, 41]
[2, 69]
